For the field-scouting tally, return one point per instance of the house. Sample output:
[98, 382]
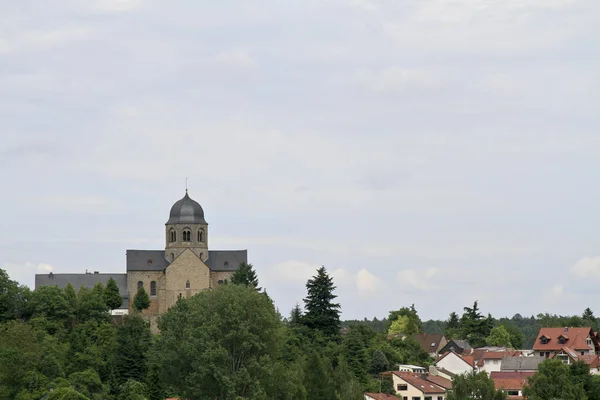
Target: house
[380, 396]
[456, 363]
[457, 346]
[411, 386]
[511, 382]
[492, 360]
[568, 356]
[411, 368]
[431, 343]
[580, 341]
[444, 373]
[520, 364]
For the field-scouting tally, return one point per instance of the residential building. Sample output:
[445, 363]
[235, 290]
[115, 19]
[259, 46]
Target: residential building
[457, 346]
[511, 382]
[411, 368]
[431, 343]
[456, 363]
[411, 386]
[581, 341]
[520, 364]
[491, 361]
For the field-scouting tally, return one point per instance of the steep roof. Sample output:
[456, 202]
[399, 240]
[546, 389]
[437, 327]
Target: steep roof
[429, 342]
[154, 260]
[467, 359]
[87, 280]
[575, 338]
[440, 381]
[419, 382]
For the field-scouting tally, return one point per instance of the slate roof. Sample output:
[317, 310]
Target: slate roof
[87, 280]
[186, 211]
[154, 260]
[429, 342]
[521, 363]
[146, 260]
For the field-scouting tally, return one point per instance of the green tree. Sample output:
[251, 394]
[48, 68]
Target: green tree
[500, 337]
[402, 326]
[318, 379]
[295, 316]
[322, 313]
[217, 343]
[588, 319]
[133, 343]
[553, 381]
[112, 297]
[356, 349]
[91, 305]
[474, 327]
[13, 298]
[452, 326]
[141, 301]
[66, 393]
[245, 275]
[379, 362]
[413, 322]
[474, 386]
[132, 390]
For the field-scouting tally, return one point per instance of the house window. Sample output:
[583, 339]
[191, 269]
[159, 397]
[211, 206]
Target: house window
[588, 341]
[416, 398]
[583, 353]
[427, 398]
[187, 235]
[201, 235]
[440, 398]
[153, 288]
[512, 392]
[543, 340]
[541, 354]
[402, 387]
[140, 285]
[187, 285]
[220, 282]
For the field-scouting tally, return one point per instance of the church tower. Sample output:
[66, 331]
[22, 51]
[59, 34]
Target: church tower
[186, 229]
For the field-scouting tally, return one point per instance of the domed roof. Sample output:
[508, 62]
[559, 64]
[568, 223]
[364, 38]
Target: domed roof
[186, 211]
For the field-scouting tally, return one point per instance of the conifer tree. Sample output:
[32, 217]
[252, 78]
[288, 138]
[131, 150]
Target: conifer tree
[322, 313]
[245, 275]
[295, 316]
[112, 297]
[141, 301]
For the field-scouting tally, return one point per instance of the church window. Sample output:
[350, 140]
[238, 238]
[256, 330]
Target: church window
[153, 288]
[187, 236]
[187, 285]
[140, 285]
[201, 235]
[172, 236]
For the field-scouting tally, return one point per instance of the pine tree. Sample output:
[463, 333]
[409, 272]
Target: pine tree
[245, 275]
[322, 313]
[589, 319]
[141, 301]
[112, 297]
[134, 340]
[295, 316]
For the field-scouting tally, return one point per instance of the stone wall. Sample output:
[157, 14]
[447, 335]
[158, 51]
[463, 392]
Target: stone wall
[186, 267]
[147, 277]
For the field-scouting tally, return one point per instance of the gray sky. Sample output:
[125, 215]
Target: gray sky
[432, 152]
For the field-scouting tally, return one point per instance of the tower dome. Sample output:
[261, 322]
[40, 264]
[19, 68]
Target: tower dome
[186, 211]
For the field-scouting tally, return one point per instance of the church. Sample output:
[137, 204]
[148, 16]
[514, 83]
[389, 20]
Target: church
[185, 267]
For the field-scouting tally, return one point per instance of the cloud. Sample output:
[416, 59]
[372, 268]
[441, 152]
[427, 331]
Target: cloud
[77, 203]
[295, 271]
[37, 39]
[557, 290]
[235, 59]
[394, 79]
[111, 6]
[366, 282]
[420, 280]
[25, 273]
[588, 267]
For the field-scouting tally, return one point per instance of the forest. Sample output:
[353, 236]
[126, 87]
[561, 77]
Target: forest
[225, 343]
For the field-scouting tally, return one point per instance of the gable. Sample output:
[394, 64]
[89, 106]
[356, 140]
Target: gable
[187, 267]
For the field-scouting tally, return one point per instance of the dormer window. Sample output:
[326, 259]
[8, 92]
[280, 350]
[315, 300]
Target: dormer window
[544, 339]
[149, 261]
[562, 340]
[226, 264]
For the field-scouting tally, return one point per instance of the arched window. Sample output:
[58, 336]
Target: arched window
[187, 236]
[172, 236]
[187, 285]
[153, 288]
[140, 285]
[201, 235]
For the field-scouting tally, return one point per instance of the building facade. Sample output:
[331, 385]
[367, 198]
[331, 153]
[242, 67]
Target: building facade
[185, 267]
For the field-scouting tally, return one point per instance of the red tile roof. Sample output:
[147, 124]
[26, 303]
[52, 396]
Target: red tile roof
[510, 380]
[429, 342]
[576, 338]
[419, 382]
[381, 396]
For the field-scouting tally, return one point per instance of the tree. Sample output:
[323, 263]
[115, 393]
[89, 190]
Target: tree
[452, 326]
[588, 319]
[91, 305]
[112, 297]
[13, 298]
[474, 386]
[245, 275]
[132, 390]
[474, 327]
[499, 336]
[218, 343]
[133, 342]
[379, 362]
[322, 313]
[66, 393]
[295, 316]
[402, 326]
[317, 378]
[141, 301]
[413, 322]
[553, 381]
